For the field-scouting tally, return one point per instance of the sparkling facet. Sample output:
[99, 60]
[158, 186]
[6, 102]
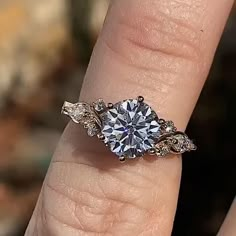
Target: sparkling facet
[130, 128]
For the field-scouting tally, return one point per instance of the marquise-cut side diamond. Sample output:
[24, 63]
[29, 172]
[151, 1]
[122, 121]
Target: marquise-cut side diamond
[83, 113]
[130, 128]
[79, 112]
[182, 143]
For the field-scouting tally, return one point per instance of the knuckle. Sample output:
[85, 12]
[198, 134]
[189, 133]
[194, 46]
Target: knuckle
[135, 34]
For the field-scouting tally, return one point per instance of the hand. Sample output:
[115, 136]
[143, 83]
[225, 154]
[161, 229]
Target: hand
[161, 49]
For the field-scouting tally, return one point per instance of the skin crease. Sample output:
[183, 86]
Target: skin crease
[162, 50]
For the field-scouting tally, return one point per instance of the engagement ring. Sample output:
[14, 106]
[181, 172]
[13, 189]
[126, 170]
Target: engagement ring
[129, 128]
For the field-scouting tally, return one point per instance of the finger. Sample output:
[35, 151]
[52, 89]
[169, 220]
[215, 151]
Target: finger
[161, 50]
[229, 226]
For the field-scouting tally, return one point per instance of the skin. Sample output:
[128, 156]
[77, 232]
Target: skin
[162, 50]
[229, 227]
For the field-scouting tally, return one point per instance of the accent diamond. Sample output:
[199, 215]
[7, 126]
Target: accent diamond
[162, 149]
[79, 112]
[92, 130]
[130, 128]
[168, 127]
[99, 106]
[83, 113]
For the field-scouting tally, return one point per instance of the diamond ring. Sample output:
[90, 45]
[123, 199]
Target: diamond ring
[130, 128]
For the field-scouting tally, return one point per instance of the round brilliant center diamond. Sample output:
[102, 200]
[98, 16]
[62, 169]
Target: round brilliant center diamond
[130, 128]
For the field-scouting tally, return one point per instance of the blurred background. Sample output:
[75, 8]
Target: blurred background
[44, 51]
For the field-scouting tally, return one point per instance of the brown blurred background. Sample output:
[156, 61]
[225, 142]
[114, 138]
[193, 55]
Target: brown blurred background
[44, 51]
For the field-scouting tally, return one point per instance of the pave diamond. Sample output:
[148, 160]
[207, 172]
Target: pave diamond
[130, 128]
[99, 106]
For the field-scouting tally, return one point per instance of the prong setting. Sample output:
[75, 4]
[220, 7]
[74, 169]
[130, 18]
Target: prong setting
[101, 136]
[110, 105]
[140, 99]
[152, 151]
[122, 159]
[161, 121]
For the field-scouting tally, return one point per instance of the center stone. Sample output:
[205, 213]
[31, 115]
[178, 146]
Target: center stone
[130, 128]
